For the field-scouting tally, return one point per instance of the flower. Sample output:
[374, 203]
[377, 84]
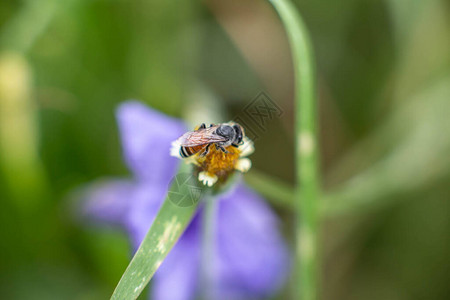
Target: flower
[212, 163]
[250, 260]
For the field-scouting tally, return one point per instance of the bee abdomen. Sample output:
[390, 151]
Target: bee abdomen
[189, 151]
[184, 153]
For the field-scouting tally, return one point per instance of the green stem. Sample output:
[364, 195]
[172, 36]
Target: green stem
[279, 193]
[208, 244]
[307, 190]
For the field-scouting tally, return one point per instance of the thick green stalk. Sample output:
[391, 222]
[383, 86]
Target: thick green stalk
[307, 191]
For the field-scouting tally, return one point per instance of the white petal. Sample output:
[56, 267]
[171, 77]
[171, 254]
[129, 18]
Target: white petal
[207, 178]
[175, 149]
[247, 148]
[243, 165]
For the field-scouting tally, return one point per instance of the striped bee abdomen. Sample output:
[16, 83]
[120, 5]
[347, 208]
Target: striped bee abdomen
[189, 151]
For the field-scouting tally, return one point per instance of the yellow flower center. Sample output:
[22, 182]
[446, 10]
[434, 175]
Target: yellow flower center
[218, 163]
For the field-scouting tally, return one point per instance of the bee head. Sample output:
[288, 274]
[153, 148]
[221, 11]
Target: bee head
[239, 134]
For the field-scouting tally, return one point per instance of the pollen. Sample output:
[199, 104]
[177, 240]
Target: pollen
[218, 163]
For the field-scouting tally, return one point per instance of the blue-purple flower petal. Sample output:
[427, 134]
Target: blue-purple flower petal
[108, 201]
[146, 138]
[252, 259]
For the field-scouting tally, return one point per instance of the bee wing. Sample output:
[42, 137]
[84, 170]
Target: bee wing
[200, 137]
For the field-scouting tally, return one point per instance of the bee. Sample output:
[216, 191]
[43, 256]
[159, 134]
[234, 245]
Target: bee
[201, 139]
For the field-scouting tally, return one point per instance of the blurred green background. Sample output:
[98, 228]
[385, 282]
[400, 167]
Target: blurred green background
[384, 97]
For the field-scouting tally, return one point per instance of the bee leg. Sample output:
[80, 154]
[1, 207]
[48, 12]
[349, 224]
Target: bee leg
[201, 126]
[221, 148]
[206, 151]
[234, 145]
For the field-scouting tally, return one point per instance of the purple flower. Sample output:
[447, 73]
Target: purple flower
[250, 259]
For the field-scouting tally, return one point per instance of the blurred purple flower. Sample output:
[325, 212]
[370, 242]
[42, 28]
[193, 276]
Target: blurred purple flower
[250, 259]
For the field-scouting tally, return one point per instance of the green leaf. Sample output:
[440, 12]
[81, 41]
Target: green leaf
[173, 217]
